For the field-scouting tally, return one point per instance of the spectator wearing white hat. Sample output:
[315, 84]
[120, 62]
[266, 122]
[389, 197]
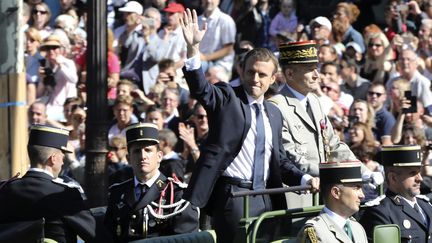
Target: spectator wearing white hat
[128, 35]
[320, 28]
[354, 51]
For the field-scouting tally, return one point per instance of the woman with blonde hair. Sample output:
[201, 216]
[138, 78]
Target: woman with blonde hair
[379, 58]
[41, 15]
[396, 93]
[33, 60]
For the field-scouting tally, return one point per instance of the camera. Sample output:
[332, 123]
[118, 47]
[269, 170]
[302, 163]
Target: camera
[49, 79]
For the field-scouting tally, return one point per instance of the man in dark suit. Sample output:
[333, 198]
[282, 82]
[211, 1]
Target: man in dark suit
[144, 206]
[243, 150]
[40, 193]
[402, 205]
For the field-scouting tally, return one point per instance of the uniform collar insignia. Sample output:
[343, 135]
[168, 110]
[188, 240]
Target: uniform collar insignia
[160, 184]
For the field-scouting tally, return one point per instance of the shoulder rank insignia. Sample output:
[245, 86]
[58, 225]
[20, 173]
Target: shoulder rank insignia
[376, 201]
[424, 197]
[178, 182]
[70, 184]
[310, 232]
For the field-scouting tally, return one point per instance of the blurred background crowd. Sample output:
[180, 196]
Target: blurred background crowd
[375, 70]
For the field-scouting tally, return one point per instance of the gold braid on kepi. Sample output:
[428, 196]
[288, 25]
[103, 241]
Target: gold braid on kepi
[298, 52]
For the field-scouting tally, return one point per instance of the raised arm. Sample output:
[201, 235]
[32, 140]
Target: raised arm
[191, 32]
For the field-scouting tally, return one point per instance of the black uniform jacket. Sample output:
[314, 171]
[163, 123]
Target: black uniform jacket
[37, 195]
[126, 216]
[393, 209]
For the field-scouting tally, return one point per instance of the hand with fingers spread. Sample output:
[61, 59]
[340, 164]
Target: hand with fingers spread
[191, 32]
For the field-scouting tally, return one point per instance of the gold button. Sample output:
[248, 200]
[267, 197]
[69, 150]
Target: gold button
[132, 231]
[133, 216]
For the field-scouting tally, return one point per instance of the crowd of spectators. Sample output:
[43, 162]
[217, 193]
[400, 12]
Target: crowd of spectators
[375, 77]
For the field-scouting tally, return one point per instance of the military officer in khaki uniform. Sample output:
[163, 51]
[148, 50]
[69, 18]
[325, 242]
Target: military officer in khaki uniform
[341, 187]
[149, 204]
[402, 204]
[307, 133]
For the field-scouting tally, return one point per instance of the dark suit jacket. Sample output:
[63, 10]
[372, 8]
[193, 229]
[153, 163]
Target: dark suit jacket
[229, 119]
[395, 210]
[124, 215]
[36, 196]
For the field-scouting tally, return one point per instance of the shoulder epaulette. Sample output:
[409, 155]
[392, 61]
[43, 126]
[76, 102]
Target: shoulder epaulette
[424, 197]
[70, 184]
[178, 182]
[376, 201]
[4, 182]
[118, 184]
[311, 233]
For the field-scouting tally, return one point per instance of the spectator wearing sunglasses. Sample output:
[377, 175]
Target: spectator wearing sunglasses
[41, 15]
[384, 120]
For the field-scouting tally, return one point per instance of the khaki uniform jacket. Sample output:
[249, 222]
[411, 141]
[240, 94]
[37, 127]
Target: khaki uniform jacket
[323, 229]
[305, 139]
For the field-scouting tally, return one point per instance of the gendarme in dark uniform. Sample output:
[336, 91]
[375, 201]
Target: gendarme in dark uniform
[149, 204]
[402, 167]
[41, 194]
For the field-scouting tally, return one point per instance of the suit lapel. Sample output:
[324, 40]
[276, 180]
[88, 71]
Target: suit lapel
[315, 111]
[130, 194]
[300, 110]
[338, 232]
[427, 209]
[244, 103]
[408, 210]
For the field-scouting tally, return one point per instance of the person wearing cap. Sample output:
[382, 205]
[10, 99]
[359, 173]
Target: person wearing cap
[341, 190]
[402, 203]
[128, 36]
[172, 34]
[321, 28]
[308, 135]
[40, 193]
[239, 118]
[58, 76]
[149, 204]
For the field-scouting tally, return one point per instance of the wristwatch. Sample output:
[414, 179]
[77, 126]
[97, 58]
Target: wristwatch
[194, 150]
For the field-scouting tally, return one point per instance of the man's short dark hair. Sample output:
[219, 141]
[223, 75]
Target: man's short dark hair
[261, 54]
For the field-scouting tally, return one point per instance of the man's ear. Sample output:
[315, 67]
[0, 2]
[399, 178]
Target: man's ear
[288, 73]
[335, 192]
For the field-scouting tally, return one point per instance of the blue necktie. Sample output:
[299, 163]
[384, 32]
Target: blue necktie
[140, 191]
[258, 168]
